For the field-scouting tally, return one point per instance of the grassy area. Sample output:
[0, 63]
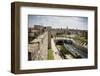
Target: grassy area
[65, 51]
[80, 39]
[50, 54]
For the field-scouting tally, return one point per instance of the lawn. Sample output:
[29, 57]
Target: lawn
[50, 54]
[80, 39]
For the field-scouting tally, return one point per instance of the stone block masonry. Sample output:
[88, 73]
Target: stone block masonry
[38, 48]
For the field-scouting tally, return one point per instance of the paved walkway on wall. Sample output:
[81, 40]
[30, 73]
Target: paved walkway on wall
[55, 50]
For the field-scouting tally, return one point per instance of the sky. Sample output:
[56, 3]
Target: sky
[72, 22]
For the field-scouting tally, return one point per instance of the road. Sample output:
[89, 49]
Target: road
[74, 50]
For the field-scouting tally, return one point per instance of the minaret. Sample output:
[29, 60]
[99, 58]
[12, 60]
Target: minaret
[67, 30]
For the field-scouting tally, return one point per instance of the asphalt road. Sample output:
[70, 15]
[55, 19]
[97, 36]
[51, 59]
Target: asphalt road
[74, 50]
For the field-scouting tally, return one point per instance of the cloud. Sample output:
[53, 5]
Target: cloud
[58, 21]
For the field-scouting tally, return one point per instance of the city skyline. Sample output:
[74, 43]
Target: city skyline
[71, 22]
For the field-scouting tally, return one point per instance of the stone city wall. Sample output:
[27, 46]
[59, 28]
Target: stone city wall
[38, 48]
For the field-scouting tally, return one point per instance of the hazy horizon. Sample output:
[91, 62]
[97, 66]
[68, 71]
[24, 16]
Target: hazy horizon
[71, 22]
